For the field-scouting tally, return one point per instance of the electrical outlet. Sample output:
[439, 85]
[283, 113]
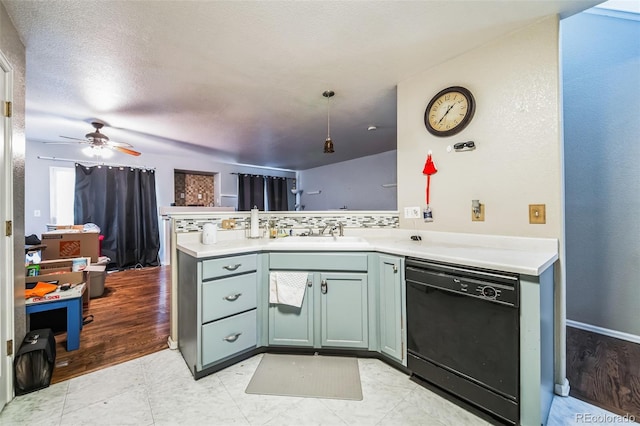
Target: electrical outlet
[411, 212]
[537, 214]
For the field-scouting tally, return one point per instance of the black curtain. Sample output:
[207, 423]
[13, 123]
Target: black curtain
[122, 202]
[250, 192]
[277, 194]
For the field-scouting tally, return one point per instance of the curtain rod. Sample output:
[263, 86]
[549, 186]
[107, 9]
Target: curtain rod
[253, 174]
[97, 163]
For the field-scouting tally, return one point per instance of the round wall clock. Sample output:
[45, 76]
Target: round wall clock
[449, 111]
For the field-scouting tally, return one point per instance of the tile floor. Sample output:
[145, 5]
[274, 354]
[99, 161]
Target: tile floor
[158, 390]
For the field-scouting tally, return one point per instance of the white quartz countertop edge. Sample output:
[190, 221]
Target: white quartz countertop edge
[531, 259]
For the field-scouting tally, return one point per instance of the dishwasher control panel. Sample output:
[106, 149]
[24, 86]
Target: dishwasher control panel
[488, 285]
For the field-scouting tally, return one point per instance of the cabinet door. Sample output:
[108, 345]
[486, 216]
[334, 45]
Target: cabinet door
[344, 310]
[292, 326]
[391, 316]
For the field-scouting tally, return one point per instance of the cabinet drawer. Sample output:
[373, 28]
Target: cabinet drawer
[225, 266]
[228, 296]
[226, 337]
[319, 261]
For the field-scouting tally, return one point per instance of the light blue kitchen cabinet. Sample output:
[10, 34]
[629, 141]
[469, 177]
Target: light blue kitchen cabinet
[334, 311]
[290, 325]
[343, 301]
[218, 310]
[392, 307]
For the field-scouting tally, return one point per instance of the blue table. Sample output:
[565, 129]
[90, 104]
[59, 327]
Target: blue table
[73, 305]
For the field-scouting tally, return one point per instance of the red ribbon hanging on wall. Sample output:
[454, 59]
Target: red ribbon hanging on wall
[429, 169]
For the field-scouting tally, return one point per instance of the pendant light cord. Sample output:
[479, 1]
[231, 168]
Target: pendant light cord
[328, 119]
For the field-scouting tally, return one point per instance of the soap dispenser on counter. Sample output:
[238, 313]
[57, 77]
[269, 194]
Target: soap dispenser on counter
[273, 228]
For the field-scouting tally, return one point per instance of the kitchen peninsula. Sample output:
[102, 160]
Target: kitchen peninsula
[224, 314]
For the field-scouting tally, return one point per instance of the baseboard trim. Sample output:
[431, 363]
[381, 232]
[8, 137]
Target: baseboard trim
[172, 343]
[604, 331]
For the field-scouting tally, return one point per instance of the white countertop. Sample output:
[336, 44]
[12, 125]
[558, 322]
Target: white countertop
[529, 256]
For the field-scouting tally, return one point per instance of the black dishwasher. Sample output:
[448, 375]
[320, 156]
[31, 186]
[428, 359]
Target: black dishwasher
[463, 334]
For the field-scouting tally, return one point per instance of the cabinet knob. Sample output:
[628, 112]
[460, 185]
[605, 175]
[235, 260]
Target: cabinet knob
[395, 269]
[232, 337]
[309, 283]
[232, 267]
[324, 288]
[232, 297]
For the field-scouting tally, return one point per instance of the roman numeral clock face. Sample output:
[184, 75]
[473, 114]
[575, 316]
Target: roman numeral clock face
[449, 111]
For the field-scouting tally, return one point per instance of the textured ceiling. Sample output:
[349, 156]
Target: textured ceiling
[244, 78]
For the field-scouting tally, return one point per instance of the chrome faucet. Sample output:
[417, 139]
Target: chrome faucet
[340, 227]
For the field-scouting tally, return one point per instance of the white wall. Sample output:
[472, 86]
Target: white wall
[515, 82]
[354, 184]
[518, 160]
[601, 78]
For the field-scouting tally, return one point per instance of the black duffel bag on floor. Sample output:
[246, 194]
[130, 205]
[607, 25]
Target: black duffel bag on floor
[34, 361]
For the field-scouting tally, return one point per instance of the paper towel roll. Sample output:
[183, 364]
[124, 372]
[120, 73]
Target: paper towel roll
[209, 233]
[255, 224]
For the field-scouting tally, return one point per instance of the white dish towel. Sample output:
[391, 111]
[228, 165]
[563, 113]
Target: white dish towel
[287, 288]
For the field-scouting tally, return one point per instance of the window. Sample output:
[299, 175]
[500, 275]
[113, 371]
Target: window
[62, 181]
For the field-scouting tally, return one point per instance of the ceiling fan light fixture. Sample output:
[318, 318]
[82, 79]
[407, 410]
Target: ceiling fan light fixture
[97, 152]
[328, 143]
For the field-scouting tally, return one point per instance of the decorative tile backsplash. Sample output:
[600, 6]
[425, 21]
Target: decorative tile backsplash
[283, 220]
[193, 189]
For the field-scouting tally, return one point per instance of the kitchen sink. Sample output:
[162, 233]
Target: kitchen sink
[317, 240]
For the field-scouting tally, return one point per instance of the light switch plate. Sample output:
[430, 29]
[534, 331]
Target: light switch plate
[537, 214]
[480, 217]
[411, 212]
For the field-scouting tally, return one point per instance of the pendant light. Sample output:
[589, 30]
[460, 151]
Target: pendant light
[328, 144]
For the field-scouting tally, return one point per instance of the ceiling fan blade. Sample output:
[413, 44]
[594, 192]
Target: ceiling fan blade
[125, 150]
[67, 143]
[74, 139]
[120, 144]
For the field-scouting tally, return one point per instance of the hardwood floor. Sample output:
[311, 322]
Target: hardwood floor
[130, 320]
[604, 371]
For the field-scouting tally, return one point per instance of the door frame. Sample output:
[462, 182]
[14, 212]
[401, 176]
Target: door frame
[7, 244]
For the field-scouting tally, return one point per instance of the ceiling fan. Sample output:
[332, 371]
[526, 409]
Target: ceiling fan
[99, 141]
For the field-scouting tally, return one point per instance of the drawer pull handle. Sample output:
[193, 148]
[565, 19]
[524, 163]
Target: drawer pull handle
[232, 268]
[232, 337]
[232, 297]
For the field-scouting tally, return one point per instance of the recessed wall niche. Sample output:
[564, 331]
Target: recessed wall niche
[193, 188]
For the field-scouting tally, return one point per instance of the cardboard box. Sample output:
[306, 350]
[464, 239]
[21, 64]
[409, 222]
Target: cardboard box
[76, 291]
[77, 279]
[62, 265]
[77, 227]
[60, 277]
[65, 244]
